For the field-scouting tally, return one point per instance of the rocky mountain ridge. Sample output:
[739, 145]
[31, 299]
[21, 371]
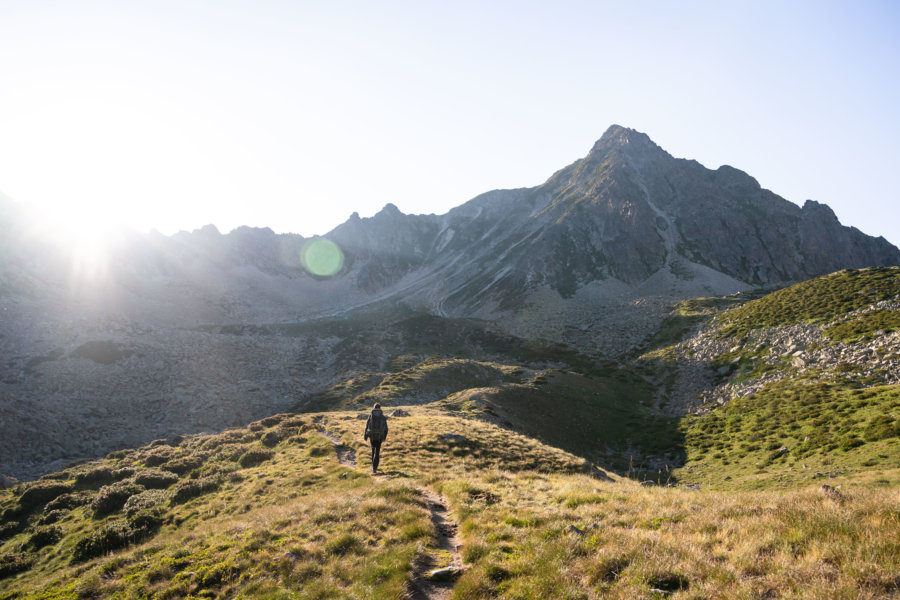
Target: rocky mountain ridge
[142, 344]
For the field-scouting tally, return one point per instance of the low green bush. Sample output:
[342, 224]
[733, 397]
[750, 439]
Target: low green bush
[43, 492]
[44, 536]
[10, 564]
[111, 498]
[111, 536]
[182, 465]
[95, 476]
[252, 458]
[144, 501]
[155, 480]
[192, 488]
[67, 501]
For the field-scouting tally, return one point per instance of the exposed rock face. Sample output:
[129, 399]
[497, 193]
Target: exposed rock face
[696, 387]
[144, 345]
[626, 211]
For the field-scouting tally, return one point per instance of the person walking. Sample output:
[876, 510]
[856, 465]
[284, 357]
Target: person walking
[376, 432]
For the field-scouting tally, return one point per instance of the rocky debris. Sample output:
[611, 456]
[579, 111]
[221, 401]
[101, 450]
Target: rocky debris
[453, 438]
[444, 574]
[7, 482]
[173, 381]
[597, 472]
[697, 385]
[399, 413]
[831, 492]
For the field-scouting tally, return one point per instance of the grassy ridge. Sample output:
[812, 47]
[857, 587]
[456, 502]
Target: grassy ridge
[818, 300]
[600, 417]
[300, 525]
[820, 423]
[603, 419]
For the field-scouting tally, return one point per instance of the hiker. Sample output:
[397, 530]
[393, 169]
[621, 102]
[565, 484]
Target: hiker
[376, 431]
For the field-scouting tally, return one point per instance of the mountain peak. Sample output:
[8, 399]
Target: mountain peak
[623, 139]
[389, 210]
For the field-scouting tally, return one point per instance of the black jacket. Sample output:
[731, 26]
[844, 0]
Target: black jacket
[376, 426]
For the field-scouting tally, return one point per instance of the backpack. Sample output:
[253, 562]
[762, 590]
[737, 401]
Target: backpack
[378, 426]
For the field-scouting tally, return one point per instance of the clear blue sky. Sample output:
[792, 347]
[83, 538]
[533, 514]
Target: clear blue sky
[294, 114]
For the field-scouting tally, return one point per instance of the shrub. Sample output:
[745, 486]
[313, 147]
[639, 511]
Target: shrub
[145, 500]
[157, 457]
[145, 522]
[271, 439]
[7, 530]
[293, 422]
[232, 436]
[110, 537]
[182, 465]
[272, 421]
[111, 498]
[123, 473]
[67, 502]
[10, 564]
[252, 458]
[95, 476]
[193, 488]
[44, 536]
[52, 516]
[155, 480]
[231, 452]
[42, 493]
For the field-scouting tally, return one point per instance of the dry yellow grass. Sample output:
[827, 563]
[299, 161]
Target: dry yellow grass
[532, 523]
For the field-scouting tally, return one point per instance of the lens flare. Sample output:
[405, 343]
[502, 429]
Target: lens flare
[322, 257]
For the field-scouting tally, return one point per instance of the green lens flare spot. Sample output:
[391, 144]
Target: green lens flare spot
[322, 257]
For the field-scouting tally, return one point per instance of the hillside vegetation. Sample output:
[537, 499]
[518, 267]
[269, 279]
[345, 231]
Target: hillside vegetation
[819, 300]
[270, 512]
[803, 385]
[556, 476]
[602, 416]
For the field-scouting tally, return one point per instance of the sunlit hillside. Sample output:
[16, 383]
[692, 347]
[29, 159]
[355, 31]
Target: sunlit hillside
[287, 508]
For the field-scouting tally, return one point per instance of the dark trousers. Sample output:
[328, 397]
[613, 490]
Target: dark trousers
[376, 454]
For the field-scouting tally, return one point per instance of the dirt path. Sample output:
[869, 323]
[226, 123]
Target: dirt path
[435, 575]
[345, 454]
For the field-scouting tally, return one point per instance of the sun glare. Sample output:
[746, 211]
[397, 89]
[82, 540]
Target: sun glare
[86, 237]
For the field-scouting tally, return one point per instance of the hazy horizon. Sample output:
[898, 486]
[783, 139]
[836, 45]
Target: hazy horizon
[295, 115]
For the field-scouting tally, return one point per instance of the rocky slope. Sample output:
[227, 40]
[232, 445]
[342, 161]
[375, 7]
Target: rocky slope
[857, 342]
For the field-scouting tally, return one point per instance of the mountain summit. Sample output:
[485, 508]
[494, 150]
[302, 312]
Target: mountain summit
[626, 214]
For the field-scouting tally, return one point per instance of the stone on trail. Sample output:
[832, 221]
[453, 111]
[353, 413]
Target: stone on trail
[444, 574]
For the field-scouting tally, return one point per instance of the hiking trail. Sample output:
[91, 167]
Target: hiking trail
[345, 454]
[435, 574]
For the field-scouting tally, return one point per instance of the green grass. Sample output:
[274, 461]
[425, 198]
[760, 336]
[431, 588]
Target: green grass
[605, 416]
[687, 314]
[299, 525]
[864, 326]
[604, 419]
[788, 432]
[819, 300]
